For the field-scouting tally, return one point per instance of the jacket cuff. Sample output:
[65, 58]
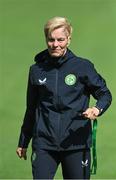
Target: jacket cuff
[23, 141]
[100, 110]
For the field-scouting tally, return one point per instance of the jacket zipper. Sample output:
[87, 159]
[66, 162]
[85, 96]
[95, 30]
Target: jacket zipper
[57, 106]
[56, 88]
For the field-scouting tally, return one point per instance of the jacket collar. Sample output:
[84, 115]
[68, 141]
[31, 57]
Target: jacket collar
[56, 62]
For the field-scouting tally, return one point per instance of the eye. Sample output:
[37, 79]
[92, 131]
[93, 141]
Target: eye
[61, 39]
[51, 39]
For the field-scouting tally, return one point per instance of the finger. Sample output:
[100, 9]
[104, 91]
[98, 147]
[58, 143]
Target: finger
[25, 157]
[90, 115]
[93, 117]
[87, 114]
[19, 153]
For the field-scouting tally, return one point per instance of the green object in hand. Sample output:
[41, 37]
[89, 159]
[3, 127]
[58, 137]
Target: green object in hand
[94, 151]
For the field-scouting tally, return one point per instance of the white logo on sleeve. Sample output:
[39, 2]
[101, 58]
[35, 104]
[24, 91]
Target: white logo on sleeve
[84, 164]
[42, 82]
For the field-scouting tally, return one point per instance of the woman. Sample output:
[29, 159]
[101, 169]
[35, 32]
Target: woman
[58, 116]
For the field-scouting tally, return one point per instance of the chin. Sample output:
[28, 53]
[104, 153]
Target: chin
[55, 54]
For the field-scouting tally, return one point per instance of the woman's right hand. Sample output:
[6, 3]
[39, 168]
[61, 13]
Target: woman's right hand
[22, 152]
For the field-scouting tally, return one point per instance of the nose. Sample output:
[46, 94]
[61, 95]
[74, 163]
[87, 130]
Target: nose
[55, 44]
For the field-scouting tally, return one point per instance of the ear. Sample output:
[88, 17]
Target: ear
[69, 39]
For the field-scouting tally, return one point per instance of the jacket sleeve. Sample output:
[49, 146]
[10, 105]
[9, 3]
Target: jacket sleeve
[29, 118]
[98, 88]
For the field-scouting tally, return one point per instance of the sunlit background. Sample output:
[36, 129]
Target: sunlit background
[21, 37]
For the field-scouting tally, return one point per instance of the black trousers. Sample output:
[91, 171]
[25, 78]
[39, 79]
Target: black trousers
[75, 164]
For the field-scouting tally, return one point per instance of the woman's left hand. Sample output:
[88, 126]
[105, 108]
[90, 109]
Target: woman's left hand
[91, 113]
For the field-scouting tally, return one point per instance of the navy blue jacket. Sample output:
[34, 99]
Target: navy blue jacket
[58, 92]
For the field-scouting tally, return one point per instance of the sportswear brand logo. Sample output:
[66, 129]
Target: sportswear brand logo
[42, 82]
[70, 79]
[84, 164]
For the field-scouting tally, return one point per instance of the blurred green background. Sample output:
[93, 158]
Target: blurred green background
[21, 37]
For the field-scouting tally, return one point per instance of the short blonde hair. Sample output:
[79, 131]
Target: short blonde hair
[55, 23]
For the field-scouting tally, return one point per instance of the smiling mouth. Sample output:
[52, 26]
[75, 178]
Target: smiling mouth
[55, 50]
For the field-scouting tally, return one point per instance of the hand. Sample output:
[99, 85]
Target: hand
[91, 113]
[21, 152]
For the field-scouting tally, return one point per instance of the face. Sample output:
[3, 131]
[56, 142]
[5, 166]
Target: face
[57, 42]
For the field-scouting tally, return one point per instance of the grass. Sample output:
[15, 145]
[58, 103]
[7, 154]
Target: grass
[21, 34]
